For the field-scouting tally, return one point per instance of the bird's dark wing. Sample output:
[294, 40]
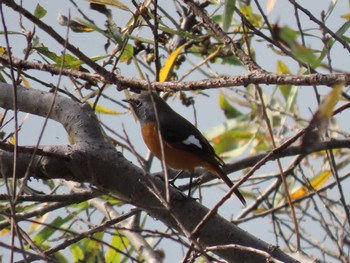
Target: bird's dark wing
[187, 137]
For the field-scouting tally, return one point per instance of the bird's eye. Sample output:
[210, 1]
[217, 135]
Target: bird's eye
[137, 103]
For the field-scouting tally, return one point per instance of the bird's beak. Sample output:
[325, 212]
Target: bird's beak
[131, 102]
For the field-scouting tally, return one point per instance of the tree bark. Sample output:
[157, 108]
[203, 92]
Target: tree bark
[93, 159]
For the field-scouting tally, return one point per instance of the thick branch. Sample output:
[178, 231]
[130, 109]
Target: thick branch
[92, 159]
[72, 116]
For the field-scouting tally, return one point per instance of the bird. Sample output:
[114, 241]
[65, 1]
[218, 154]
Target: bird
[184, 146]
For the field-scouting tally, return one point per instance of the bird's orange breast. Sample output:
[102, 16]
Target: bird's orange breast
[175, 158]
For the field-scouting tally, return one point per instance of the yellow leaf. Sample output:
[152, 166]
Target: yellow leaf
[78, 27]
[169, 63]
[316, 183]
[104, 110]
[327, 106]
[282, 68]
[321, 118]
[75, 25]
[12, 140]
[114, 3]
[346, 16]
[37, 224]
[299, 192]
[3, 50]
[4, 231]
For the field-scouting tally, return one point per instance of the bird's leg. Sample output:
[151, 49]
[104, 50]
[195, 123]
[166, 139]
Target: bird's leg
[172, 181]
[190, 186]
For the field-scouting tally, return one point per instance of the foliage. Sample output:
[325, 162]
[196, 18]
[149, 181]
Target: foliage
[260, 68]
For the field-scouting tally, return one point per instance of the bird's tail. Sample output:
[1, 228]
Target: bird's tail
[220, 173]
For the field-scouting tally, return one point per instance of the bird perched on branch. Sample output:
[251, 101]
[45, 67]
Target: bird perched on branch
[185, 148]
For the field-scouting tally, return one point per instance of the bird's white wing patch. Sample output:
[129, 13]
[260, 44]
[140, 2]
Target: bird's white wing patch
[193, 140]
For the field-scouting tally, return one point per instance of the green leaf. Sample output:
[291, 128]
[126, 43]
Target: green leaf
[181, 33]
[112, 255]
[39, 11]
[2, 79]
[232, 137]
[283, 69]
[291, 97]
[92, 248]
[236, 147]
[50, 229]
[77, 252]
[127, 54]
[69, 60]
[306, 55]
[261, 145]
[288, 35]
[47, 53]
[37, 223]
[247, 11]
[231, 60]
[118, 243]
[340, 33]
[237, 123]
[116, 33]
[50, 183]
[342, 30]
[94, 245]
[229, 8]
[60, 258]
[229, 110]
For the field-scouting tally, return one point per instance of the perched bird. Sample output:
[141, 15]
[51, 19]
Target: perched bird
[185, 148]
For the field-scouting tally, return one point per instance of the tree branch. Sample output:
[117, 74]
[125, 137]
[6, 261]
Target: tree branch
[254, 77]
[108, 76]
[93, 159]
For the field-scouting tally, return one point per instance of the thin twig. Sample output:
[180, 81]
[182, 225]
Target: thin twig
[283, 177]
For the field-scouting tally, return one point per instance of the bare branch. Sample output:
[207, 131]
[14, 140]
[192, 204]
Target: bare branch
[94, 160]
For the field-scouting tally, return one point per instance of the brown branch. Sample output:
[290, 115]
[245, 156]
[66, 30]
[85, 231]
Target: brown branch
[38, 212]
[105, 74]
[272, 155]
[241, 219]
[77, 197]
[31, 150]
[53, 69]
[321, 24]
[232, 81]
[219, 33]
[283, 176]
[94, 160]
